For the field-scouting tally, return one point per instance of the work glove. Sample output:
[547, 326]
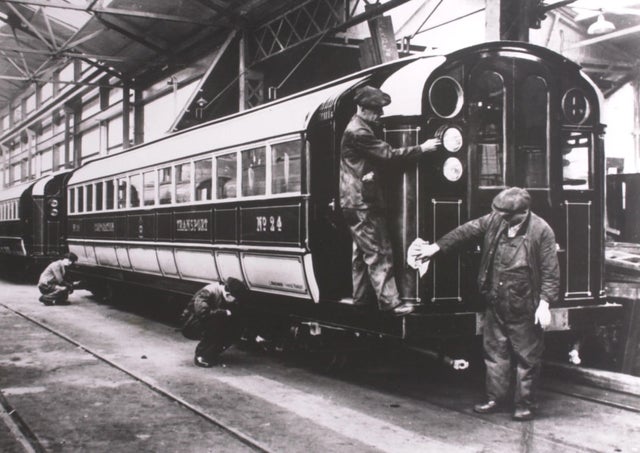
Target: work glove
[543, 315]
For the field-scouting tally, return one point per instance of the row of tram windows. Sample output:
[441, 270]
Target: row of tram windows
[271, 169]
[9, 210]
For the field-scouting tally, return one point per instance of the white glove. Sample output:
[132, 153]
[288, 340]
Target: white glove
[543, 315]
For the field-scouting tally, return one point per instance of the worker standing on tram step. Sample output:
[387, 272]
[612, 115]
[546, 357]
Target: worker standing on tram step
[519, 277]
[214, 316]
[362, 203]
[53, 285]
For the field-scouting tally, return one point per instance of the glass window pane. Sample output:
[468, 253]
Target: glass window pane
[164, 185]
[110, 194]
[576, 149]
[99, 193]
[226, 175]
[487, 115]
[253, 172]
[149, 191]
[135, 187]
[203, 179]
[89, 192]
[183, 183]
[531, 134]
[122, 193]
[285, 167]
[72, 200]
[80, 199]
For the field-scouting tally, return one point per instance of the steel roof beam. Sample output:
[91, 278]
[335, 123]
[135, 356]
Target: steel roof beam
[110, 11]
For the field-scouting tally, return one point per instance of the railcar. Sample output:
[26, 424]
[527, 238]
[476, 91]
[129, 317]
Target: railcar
[32, 223]
[255, 195]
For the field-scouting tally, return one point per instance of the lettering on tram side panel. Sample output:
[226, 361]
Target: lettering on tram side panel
[75, 227]
[271, 225]
[141, 226]
[192, 225]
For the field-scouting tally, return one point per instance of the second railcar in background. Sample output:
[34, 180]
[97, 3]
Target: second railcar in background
[255, 195]
[33, 224]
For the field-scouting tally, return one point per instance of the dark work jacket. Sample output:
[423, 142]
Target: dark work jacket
[539, 240]
[362, 153]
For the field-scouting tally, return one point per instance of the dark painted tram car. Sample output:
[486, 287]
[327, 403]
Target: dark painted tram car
[255, 195]
[32, 224]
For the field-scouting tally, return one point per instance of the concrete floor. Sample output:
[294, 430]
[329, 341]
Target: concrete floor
[74, 402]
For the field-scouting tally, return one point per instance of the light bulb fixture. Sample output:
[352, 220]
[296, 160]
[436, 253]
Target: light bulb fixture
[601, 26]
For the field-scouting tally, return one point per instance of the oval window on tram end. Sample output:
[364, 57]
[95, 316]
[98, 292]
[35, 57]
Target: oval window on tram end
[446, 97]
[575, 106]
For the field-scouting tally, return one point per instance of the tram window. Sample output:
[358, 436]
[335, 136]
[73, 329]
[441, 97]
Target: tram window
[149, 188]
[183, 183]
[575, 161]
[487, 107]
[203, 179]
[99, 195]
[164, 185]
[80, 199]
[531, 134]
[135, 187]
[72, 200]
[122, 193]
[89, 194]
[285, 167]
[109, 188]
[254, 172]
[226, 176]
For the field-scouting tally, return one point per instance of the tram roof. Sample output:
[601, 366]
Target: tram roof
[287, 116]
[16, 191]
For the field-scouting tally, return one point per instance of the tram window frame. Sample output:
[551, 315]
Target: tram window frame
[583, 142]
[99, 194]
[150, 189]
[198, 181]
[231, 175]
[274, 184]
[80, 199]
[133, 190]
[109, 195]
[165, 181]
[255, 186]
[122, 192]
[183, 186]
[72, 200]
[88, 193]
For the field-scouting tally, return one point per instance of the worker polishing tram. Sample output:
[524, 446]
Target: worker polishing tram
[363, 206]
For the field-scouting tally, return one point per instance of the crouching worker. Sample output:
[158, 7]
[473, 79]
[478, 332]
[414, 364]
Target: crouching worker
[213, 316]
[53, 285]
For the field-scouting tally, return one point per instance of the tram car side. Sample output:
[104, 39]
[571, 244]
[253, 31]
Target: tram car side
[255, 195]
[32, 224]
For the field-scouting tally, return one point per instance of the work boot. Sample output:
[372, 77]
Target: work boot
[522, 414]
[402, 310]
[489, 407]
[201, 362]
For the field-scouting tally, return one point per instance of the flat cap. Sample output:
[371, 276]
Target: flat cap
[513, 201]
[370, 97]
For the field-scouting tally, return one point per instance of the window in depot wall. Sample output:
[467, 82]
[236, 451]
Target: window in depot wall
[576, 153]
[164, 185]
[226, 186]
[202, 179]
[183, 183]
[254, 167]
[285, 167]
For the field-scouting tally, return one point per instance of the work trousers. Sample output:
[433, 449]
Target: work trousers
[507, 346]
[53, 294]
[372, 259]
[221, 330]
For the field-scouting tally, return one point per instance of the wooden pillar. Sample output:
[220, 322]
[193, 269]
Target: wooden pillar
[138, 117]
[126, 117]
[508, 19]
[636, 128]
[242, 69]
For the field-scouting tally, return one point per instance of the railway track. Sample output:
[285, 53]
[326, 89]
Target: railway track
[29, 440]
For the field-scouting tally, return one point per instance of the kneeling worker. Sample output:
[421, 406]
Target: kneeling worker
[213, 316]
[53, 285]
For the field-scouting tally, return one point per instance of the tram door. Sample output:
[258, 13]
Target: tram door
[510, 135]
